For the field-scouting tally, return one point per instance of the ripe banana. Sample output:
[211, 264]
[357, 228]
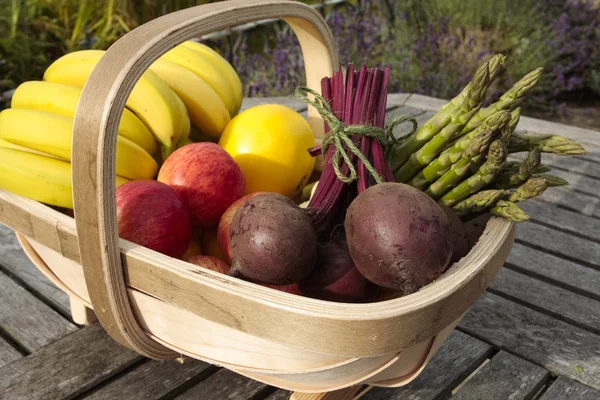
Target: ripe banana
[39, 178]
[9, 145]
[61, 99]
[151, 99]
[206, 109]
[52, 134]
[194, 62]
[185, 123]
[223, 66]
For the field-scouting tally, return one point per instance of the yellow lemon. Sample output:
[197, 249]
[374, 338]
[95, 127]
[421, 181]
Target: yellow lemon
[270, 142]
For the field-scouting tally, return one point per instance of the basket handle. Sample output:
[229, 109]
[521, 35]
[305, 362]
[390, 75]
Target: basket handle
[95, 133]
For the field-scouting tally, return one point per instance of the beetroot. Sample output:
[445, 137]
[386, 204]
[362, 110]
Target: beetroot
[335, 278]
[398, 236]
[272, 241]
[460, 241]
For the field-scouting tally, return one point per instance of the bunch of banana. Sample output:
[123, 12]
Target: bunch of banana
[191, 88]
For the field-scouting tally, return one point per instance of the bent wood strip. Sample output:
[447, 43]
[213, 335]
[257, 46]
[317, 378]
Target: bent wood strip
[567, 389]
[303, 323]
[27, 320]
[504, 377]
[66, 367]
[95, 131]
[546, 341]
[457, 357]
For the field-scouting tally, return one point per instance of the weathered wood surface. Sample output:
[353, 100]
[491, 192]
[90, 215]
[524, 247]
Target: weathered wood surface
[227, 385]
[16, 264]
[455, 360]
[556, 345]
[541, 312]
[65, 368]
[8, 353]
[28, 321]
[153, 380]
[504, 377]
[567, 389]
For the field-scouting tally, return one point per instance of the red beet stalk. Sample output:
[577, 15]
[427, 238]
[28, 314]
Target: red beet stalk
[356, 98]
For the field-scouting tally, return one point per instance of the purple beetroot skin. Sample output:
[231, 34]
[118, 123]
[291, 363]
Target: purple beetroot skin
[335, 278]
[272, 241]
[460, 240]
[398, 236]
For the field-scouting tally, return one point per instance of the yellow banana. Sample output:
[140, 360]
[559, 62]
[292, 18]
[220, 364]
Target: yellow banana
[39, 178]
[52, 134]
[223, 66]
[194, 62]
[151, 99]
[9, 145]
[206, 109]
[185, 122]
[61, 99]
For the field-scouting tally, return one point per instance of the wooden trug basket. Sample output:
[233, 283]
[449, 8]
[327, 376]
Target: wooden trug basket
[165, 308]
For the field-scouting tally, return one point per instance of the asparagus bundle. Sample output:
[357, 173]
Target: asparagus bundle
[451, 159]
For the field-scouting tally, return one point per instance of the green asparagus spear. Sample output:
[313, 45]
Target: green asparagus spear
[485, 174]
[552, 180]
[508, 100]
[509, 210]
[545, 143]
[478, 202]
[451, 155]
[514, 165]
[475, 152]
[510, 178]
[457, 112]
[530, 189]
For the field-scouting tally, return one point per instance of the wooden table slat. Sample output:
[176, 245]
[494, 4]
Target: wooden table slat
[28, 321]
[576, 165]
[562, 219]
[581, 183]
[567, 389]
[563, 304]
[280, 395]
[567, 246]
[8, 353]
[454, 361]
[67, 367]
[557, 346]
[152, 380]
[577, 202]
[226, 384]
[15, 262]
[504, 377]
[573, 276]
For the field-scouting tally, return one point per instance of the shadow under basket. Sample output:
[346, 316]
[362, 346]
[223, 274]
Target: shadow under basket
[165, 308]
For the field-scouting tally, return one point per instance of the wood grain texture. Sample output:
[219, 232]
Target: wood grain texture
[8, 353]
[153, 380]
[228, 385]
[504, 377]
[560, 303]
[576, 165]
[67, 367]
[348, 393]
[542, 265]
[563, 219]
[457, 357]
[577, 202]
[16, 263]
[567, 389]
[568, 246]
[404, 128]
[580, 183]
[397, 99]
[555, 345]
[280, 395]
[27, 320]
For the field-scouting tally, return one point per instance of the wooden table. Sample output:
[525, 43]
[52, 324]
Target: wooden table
[534, 334]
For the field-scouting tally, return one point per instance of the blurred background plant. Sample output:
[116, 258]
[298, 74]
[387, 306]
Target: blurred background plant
[433, 46]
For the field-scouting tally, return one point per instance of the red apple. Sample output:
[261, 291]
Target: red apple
[207, 178]
[209, 262]
[153, 215]
[225, 224]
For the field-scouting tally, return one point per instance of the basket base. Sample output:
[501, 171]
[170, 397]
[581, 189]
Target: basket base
[348, 393]
[80, 313]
